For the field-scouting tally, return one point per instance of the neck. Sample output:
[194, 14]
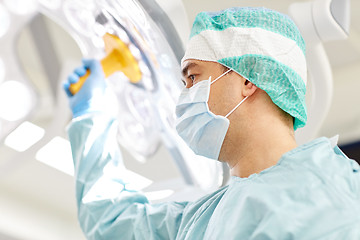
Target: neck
[259, 147]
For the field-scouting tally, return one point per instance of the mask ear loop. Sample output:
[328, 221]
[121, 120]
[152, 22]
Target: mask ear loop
[236, 107]
[220, 76]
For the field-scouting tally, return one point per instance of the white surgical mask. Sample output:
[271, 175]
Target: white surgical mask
[202, 130]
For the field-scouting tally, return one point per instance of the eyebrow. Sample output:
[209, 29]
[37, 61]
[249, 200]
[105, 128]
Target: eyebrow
[187, 66]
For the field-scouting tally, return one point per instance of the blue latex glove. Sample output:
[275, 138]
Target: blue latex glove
[90, 97]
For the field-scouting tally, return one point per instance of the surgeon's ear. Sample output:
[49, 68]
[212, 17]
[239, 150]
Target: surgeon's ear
[249, 88]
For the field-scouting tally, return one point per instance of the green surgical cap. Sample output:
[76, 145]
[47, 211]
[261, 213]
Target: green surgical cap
[263, 46]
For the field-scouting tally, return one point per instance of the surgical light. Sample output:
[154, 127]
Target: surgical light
[137, 130]
[97, 41]
[4, 21]
[80, 14]
[21, 7]
[135, 51]
[24, 136]
[15, 100]
[134, 10]
[139, 106]
[57, 154]
[145, 141]
[153, 40]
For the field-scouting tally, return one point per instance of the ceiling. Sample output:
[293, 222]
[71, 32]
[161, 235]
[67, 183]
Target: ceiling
[37, 201]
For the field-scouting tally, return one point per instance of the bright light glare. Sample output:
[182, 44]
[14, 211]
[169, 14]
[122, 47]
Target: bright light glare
[24, 136]
[4, 21]
[15, 100]
[135, 51]
[134, 9]
[2, 66]
[21, 7]
[57, 154]
[52, 4]
[135, 181]
[157, 195]
[132, 180]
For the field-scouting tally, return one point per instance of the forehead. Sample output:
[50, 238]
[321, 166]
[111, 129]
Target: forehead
[190, 63]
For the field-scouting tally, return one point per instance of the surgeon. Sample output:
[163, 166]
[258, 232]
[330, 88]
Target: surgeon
[245, 76]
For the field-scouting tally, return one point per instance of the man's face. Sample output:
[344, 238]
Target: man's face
[194, 71]
[224, 93]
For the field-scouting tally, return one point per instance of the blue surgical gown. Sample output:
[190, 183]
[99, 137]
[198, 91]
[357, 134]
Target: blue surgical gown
[313, 192]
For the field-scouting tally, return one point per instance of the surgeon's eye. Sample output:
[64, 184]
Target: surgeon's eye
[192, 77]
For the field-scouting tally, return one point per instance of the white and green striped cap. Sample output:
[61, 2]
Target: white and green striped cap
[263, 46]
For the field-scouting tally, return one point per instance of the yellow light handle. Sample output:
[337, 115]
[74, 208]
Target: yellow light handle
[119, 59]
[75, 87]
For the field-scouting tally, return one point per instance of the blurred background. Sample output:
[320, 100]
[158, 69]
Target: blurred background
[42, 41]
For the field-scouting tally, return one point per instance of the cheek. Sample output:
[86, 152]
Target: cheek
[201, 77]
[223, 98]
[219, 101]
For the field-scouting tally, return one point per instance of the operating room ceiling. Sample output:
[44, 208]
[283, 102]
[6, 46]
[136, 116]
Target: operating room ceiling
[31, 191]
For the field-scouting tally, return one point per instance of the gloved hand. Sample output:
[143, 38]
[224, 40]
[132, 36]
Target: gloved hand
[90, 98]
